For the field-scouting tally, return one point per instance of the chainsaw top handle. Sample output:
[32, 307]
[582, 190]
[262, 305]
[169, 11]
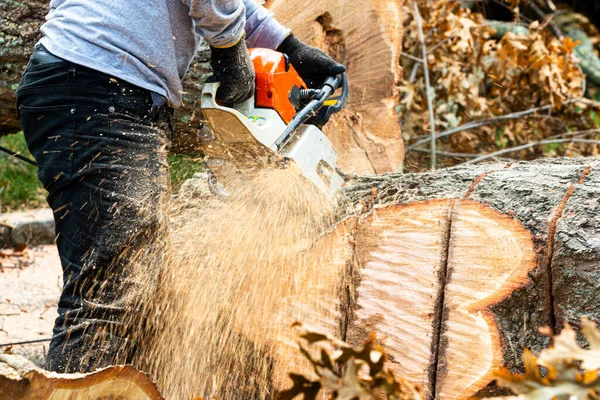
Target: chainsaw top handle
[320, 108]
[335, 104]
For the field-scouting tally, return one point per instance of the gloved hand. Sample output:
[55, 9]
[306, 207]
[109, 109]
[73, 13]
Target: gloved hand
[233, 67]
[313, 65]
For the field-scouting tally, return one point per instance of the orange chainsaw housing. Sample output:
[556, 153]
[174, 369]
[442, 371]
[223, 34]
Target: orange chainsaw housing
[275, 78]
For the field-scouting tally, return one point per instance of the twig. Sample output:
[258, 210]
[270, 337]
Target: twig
[443, 42]
[506, 6]
[26, 342]
[483, 122]
[590, 102]
[436, 22]
[452, 155]
[528, 146]
[557, 32]
[415, 59]
[427, 86]
[17, 155]
[577, 134]
[413, 73]
[551, 5]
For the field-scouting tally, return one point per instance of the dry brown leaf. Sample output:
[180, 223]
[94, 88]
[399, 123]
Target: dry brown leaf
[566, 377]
[565, 348]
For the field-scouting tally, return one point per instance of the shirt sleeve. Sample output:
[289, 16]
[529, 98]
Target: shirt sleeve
[262, 29]
[220, 22]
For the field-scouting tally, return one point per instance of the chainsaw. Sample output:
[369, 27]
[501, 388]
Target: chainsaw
[280, 125]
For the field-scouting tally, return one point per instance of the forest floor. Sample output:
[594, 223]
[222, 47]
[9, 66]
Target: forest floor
[30, 284]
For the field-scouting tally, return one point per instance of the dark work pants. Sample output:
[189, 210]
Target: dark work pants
[100, 144]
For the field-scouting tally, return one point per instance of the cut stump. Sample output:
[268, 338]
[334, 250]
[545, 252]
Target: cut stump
[366, 36]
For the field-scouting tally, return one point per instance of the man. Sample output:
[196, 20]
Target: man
[94, 103]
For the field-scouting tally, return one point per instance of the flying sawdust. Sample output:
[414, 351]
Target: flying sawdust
[240, 271]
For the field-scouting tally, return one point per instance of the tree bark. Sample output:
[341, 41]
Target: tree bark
[456, 271]
[366, 36]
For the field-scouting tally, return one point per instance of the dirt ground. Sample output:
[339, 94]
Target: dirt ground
[30, 283]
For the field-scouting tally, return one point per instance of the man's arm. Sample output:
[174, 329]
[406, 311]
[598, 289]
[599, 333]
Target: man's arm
[262, 29]
[220, 22]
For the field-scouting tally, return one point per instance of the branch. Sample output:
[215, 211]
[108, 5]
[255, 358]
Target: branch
[427, 86]
[483, 122]
[443, 42]
[415, 59]
[574, 134]
[528, 146]
[590, 102]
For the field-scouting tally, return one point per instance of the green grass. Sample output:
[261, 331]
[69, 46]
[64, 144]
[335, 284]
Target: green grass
[595, 117]
[183, 167]
[19, 185]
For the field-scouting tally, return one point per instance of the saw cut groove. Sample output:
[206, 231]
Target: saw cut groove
[347, 287]
[551, 239]
[438, 347]
[400, 258]
[428, 273]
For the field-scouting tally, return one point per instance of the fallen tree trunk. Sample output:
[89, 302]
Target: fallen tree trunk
[457, 270]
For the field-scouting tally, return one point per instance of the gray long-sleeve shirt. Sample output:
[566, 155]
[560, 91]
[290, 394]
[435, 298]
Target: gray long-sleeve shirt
[151, 43]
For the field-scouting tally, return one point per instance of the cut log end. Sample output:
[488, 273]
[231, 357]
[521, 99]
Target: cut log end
[428, 272]
[489, 257]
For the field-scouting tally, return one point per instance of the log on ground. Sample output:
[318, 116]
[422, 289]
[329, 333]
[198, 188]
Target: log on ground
[457, 270]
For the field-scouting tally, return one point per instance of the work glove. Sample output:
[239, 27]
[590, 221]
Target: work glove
[312, 64]
[233, 68]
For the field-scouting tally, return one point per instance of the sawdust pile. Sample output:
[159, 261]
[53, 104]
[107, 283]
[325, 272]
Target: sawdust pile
[241, 270]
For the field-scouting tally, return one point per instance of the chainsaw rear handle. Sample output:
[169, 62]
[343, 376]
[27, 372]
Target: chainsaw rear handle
[209, 96]
[329, 87]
